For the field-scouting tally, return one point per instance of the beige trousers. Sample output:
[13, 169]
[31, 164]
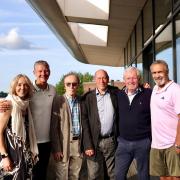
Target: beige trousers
[69, 170]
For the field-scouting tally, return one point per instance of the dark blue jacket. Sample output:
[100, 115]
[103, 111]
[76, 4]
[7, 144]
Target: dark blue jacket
[134, 119]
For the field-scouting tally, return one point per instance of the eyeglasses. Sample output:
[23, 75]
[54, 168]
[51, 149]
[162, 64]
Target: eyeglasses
[71, 84]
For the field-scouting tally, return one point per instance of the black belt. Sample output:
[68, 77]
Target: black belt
[75, 137]
[106, 136]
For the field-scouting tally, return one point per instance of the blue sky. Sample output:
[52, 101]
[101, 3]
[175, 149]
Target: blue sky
[25, 38]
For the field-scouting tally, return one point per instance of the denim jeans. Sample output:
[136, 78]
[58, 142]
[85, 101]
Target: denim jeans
[129, 150]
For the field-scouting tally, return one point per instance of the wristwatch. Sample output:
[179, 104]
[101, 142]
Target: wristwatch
[4, 155]
[177, 146]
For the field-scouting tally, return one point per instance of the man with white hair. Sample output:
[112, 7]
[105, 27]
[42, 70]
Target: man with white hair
[134, 124]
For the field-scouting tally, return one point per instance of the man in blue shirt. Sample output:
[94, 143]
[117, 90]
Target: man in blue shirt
[99, 115]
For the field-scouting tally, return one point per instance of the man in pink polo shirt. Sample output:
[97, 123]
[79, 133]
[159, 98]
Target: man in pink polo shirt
[165, 119]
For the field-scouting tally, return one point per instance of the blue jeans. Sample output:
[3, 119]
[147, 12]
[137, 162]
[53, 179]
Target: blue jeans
[129, 150]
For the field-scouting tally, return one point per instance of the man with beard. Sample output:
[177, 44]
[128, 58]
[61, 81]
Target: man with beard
[165, 118]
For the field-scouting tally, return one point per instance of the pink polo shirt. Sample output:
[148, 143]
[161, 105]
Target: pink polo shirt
[165, 106]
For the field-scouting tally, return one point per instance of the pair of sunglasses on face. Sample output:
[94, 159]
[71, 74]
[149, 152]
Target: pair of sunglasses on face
[74, 84]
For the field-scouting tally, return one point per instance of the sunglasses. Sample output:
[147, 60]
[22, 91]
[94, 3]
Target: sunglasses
[71, 84]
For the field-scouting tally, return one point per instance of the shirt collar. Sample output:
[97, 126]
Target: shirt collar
[164, 88]
[39, 89]
[138, 90]
[98, 93]
[70, 98]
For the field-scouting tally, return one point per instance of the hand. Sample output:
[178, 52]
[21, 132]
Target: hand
[177, 148]
[5, 105]
[146, 85]
[58, 156]
[89, 152]
[7, 164]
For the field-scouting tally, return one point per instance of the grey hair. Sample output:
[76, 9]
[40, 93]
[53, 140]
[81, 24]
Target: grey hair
[72, 74]
[161, 62]
[129, 69]
[42, 62]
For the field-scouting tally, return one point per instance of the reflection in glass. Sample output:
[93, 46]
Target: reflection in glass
[139, 63]
[175, 1]
[147, 19]
[133, 44]
[162, 13]
[139, 36]
[178, 46]
[164, 48]
[133, 65]
[126, 56]
[129, 51]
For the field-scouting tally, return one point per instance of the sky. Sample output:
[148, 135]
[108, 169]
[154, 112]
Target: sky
[25, 38]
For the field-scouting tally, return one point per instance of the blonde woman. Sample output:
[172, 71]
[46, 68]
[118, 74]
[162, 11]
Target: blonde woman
[18, 158]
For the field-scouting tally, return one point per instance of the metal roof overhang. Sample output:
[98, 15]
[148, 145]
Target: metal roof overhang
[122, 17]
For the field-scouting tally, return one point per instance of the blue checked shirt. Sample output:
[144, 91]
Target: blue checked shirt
[75, 116]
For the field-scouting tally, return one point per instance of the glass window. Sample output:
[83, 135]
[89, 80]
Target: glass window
[176, 1]
[139, 36]
[147, 21]
[162, 13]
[133, 64]
[125, 56]
[139, 63]
[178, 46]
[133, 52]
[164, 48]
[129, 51]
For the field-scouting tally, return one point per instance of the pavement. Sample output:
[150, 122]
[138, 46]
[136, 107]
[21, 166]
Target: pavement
[132, 173]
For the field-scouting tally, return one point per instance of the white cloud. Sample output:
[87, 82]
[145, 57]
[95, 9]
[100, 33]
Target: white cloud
[13, 40]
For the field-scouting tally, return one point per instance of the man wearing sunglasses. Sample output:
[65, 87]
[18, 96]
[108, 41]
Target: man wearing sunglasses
[66, 131]
[99, 115]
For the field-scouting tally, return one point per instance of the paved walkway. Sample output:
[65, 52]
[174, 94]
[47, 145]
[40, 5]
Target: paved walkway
[83, 175]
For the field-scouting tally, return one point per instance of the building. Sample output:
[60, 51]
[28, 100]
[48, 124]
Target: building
[117, 32]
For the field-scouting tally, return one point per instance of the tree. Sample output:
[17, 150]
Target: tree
[3, 94]
[87, 77]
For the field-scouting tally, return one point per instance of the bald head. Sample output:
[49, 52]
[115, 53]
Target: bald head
[101, 71]
[102, 79]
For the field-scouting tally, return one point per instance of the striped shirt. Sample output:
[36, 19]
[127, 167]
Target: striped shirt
[105, 111]
[75, 115]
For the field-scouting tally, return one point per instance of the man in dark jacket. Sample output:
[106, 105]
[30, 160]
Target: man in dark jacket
[134, 124]
[99, 115]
